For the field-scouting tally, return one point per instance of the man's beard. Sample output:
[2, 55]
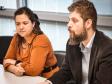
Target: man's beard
[76, 39]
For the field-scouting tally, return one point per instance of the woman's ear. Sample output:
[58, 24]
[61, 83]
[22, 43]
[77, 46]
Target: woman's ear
[33, 24]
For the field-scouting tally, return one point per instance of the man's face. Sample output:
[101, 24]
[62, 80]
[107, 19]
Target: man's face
[76, 27]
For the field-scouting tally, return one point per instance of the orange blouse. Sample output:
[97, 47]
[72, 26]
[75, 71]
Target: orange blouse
[35, 57]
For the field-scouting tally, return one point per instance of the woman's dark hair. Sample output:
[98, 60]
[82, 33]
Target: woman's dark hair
[32, 16]
[34, 19]
[36, 28]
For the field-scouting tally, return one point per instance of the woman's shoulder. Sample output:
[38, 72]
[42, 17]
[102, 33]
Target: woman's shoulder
[15, 35]
[14, 38]
[42, 40]
[42, 37]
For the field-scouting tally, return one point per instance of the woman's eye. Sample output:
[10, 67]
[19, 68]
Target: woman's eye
[25, 23]
[17, 24]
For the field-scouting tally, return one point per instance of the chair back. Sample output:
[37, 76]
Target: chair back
[60, 55]
[4, 44]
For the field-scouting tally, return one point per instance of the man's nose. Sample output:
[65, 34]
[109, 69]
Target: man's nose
[69, 24]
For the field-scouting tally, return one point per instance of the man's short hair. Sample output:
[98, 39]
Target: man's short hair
[86, 9]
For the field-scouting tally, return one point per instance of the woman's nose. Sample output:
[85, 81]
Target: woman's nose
[21, 26]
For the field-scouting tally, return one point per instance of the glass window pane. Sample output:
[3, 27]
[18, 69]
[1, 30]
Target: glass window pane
[62, 5]
[38, 5]
[57, 33]
[8, 4]
[49, 5]
[104, 7]
[7, 27]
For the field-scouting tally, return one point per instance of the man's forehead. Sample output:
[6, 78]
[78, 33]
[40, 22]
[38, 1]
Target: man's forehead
[74, 15]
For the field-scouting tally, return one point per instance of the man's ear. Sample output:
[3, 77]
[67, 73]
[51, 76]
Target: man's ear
[88, 24]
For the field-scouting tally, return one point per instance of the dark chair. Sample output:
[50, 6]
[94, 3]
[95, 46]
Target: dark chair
[60, 55]
[4, 44]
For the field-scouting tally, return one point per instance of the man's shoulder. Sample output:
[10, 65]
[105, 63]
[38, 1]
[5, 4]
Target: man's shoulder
[102, 39]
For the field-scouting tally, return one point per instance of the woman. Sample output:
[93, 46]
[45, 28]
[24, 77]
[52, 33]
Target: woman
[30, 51]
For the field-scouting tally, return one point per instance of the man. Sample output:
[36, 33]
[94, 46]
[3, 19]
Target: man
[89, 52]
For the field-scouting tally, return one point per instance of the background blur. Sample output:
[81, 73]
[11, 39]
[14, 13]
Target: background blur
[53, 15]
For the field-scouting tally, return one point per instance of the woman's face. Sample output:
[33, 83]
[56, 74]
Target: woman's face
[24, 26]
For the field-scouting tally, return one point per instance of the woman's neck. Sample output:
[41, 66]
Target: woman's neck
[27, 38]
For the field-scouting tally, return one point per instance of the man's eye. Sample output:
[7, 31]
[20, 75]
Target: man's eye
[74, 20]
